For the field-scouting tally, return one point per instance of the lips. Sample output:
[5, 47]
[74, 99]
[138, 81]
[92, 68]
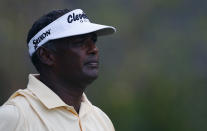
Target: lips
[93, 64]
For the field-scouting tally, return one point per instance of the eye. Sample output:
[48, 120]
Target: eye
[80, 42]
[94, 39]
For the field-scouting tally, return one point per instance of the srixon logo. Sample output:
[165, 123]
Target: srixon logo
[40, 38]
[75, 17]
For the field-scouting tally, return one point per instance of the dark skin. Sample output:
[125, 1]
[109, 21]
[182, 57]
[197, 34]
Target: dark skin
[71, 67]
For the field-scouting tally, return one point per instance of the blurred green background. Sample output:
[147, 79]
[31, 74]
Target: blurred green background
[153, 70]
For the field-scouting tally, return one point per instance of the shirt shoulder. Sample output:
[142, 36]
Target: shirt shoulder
[12, 112]
[104, 117]
[9, 116]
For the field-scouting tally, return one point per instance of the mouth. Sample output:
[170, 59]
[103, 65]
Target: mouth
[92, 64]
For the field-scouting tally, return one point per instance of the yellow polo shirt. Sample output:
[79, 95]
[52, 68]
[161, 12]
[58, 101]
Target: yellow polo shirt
[38, 108]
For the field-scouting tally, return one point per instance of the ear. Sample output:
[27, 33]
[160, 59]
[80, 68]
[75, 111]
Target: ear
[46, 56]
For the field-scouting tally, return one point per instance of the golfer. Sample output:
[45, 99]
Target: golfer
[62, 47]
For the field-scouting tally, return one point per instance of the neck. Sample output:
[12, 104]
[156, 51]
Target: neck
[70, 93]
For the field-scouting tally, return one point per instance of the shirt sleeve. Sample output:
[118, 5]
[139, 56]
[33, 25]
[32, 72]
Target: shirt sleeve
[9, 117]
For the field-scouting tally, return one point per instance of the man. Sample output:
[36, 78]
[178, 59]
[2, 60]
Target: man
[62, 46]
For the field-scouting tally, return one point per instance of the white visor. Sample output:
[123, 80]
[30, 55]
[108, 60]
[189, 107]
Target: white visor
[71, 24]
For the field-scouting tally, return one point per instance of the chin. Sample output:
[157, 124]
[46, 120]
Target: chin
[90, 77]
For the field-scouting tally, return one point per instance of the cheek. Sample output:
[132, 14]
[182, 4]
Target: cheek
[72, 61]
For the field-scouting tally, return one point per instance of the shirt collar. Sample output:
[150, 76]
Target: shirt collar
[49, 98]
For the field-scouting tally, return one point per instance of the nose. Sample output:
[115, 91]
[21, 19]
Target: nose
[92, 48]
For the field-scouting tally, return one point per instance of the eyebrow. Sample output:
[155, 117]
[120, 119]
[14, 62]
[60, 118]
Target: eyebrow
[83, 37]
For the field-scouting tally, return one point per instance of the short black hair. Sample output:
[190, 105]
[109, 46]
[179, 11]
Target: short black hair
[39, 25]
